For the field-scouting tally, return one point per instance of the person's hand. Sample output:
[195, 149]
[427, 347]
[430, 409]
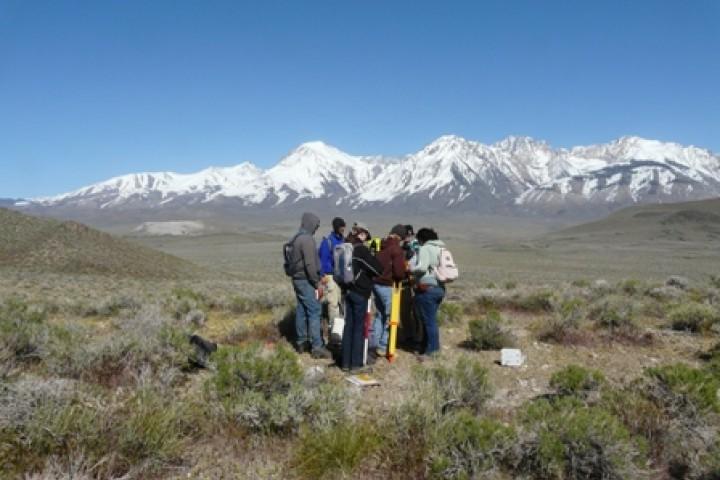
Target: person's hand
[325, 279]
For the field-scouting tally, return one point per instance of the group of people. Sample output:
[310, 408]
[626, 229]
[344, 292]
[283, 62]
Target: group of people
[402, 257]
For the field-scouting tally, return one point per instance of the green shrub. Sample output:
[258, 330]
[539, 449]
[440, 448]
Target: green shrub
[640, 415]
[535, 302]
[449, 313]
[614, 312]
[146, 342]
[464, 446]
[488, 333]
[693, 317]
[715, 281]
[23, 330]
[576, 380]
[580, 283]
[510, 285]
[183, 300]
[567, 439]
[255, 369]
[681, 385]
[153, 426]
[630, 286]
[464, 385]
[262, 390]
[410, 437]
[335, 452]
[564, 325]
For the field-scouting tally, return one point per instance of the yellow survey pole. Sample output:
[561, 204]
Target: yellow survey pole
[394, 320]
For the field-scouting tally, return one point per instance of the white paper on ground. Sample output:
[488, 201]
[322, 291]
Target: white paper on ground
[511, 357]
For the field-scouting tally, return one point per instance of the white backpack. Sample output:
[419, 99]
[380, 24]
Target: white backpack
[446, 270]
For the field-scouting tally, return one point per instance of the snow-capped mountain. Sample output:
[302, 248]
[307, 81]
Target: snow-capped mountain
[517, 173]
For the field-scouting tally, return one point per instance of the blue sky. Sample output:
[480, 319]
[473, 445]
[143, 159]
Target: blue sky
[93, 89]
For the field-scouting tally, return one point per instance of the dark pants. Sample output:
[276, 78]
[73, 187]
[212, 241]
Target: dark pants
[411, 332]
[428, 303]
[353, 341]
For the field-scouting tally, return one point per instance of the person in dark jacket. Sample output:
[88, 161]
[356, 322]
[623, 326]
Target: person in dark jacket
[365, 267]
[392, 260]
[305, 270]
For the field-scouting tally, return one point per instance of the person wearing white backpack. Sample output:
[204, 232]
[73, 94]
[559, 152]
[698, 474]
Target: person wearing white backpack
[429, 291]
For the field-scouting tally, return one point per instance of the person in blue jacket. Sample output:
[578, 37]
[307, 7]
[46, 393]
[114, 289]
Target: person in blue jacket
[331, 291]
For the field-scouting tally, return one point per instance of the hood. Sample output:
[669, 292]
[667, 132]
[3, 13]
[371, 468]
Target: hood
[435, 243]
[310, 222]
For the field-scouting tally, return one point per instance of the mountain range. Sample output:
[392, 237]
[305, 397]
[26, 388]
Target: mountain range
[515, 175]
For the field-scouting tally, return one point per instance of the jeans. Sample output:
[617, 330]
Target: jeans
[307, 315]
[383, 305]
[428, 303]
[353, 340]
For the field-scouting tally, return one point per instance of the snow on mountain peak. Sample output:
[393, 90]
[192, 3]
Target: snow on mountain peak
[450, 169]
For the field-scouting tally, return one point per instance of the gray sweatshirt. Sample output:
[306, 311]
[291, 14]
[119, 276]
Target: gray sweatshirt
[305, 253]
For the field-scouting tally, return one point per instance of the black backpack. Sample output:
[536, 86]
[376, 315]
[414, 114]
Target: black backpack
[288, 249]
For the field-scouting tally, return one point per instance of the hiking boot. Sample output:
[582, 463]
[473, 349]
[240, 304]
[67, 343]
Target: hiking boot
[301, 348]
[321, 352]
[380, 352]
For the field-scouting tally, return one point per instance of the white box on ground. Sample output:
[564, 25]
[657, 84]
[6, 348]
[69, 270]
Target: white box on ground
[511, 357]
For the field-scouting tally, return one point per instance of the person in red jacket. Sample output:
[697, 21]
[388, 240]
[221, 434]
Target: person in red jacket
[392, 260]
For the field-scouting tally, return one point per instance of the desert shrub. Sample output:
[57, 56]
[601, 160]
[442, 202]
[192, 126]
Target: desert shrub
[564, 325]
[23, 330]
[113, 306]
[576, 380]
[715, 281]
[483, 303]
[566, 439]
[664, 293]
[490, 285]
[693, 317]
[41, 417]
[410, 440]
[146, 342]
[153, 428]
[640, 415]
[463, 385]
[630, 286]
[183, 300]
[464, 446]
[681, 388]
[580, 283]
[614, 312]
[488, 333]
[533, 302]
[510, 285]
[262, 390]
[449, 313]
[336, 451]
[45, 419]
[678, 282]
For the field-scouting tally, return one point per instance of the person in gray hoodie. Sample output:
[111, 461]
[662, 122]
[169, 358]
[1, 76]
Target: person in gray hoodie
[305, 273]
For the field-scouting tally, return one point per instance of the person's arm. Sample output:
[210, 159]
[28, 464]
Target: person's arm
[311, 260]
[369, 263]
